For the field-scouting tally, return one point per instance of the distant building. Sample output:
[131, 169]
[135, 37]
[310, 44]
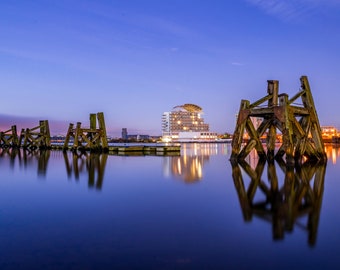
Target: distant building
[328, 132]
[124, 134]
[185, 123]
[138, 137]
[133, 137]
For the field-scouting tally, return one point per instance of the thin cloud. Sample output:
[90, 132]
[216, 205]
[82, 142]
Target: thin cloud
[23, 122]
[237, 64]
[293, 10]
[174, 49]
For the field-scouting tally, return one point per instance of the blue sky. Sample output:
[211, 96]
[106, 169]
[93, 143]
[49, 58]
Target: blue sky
[62, 60]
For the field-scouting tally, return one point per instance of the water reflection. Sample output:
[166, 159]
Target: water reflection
[11, 153]
[28, 158]
[76, 163]
[93, 163]
[332, 152]
[283, 203]
[189, 166]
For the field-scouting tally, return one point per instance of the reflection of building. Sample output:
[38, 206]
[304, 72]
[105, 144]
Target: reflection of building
[189, 166]
[332, 152]
[185, 123]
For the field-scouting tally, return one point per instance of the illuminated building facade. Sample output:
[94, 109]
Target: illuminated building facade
[328, 132]
[185, 123]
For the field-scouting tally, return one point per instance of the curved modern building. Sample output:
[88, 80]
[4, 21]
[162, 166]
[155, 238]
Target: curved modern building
[185, 123]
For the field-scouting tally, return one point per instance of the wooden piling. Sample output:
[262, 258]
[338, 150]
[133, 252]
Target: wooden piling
[36, 137]
[298, 125]
[9, 138]
[93, 138]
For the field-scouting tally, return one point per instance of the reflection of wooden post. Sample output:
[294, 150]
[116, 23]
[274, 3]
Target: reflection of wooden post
[96, 162]
[44, 156]
[75, 166]
[101, 169]
[291, 202]
[67, 165]
[313, 219]
[91, 166]
[241, 191]
[284, 204]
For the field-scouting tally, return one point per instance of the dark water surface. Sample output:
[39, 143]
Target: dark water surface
[194, 211]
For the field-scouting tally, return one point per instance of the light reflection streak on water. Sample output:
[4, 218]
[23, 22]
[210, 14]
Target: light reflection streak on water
[332, 152]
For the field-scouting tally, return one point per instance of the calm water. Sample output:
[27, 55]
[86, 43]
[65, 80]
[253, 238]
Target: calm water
[194, 211]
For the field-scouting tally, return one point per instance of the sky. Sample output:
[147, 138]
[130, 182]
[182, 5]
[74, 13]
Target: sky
[133, 60]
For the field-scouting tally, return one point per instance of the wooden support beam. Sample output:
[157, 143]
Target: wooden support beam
[68, 136]
[77, 136]
[9, 138]
[239, 129]
[254, 136]
[308, 103]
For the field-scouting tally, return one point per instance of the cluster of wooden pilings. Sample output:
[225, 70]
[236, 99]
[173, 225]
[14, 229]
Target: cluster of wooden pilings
[78, 138]
[297, 124]
[92, 138]
[32, 138]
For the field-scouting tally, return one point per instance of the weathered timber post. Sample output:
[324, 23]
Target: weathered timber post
[22, 135]
[240, 128]
[287, 130]
[15, 139]
[308, 103]
[298, 125]
[46, 133]
[9, 138]
[77, 134]
[102, 129]
[273, 90]
[91, 138]
[36, 139]
[69, 134]
[93, 127]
